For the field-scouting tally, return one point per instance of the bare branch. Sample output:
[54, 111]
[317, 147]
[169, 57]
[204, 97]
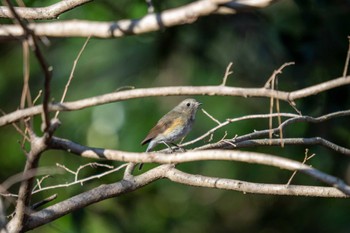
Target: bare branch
[227, 73]
[72, 73]
[249, 187]
[92, 196]
[44, 202]
[79, 181]
[211, 117]
[168, 171]
[49, 12]
[152, 22]
[43, 64]
[106, 191]
[272, 83]
[176, 91]
[249, 157]
[26, 72]
[275, 73]
[228, 121]
[347, 60]
[306, 158]
[286, 141]
[263, 133]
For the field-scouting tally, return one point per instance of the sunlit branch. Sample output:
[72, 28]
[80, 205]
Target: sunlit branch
[250, 187]
[190, 156]
[49, 12]
[176, 91]
[185, 14]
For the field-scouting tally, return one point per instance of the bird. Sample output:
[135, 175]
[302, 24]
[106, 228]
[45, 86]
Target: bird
[173, 126]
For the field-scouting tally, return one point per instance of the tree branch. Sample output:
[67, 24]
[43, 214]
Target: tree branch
[168, 171]
[176, 91]
[178, 176]
[246, 140]
[190, 156]
[49, 12]
[152, 22]
[288, 141]
[92, 196]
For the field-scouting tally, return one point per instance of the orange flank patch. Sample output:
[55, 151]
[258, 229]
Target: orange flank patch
[178, 122]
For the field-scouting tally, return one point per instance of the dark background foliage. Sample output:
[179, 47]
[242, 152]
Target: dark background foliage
[312, 33]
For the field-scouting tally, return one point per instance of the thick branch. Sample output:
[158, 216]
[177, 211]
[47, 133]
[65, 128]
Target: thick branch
[249, 187]
[149, 23]
[92, 196]
[24, 194]
[49, 12]
[248, 157]
[176, 91]
[165, 171]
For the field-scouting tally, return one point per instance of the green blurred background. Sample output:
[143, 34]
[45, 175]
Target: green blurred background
[313, 33]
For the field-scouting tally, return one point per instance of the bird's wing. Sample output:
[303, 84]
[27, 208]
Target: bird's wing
[162, 125]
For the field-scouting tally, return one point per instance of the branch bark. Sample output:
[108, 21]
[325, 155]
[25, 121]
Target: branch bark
[176, 91]
[103, 192]
[190, 156]
[152, 22]
[49, 12]
[92, 196]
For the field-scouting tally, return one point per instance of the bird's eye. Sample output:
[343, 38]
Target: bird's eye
[188, 104]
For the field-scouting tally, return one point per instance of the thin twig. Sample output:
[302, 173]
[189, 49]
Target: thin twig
[306, 158]
[40, 181]
[275, 73]
[43, 202]
[80, 181]
[271, 83]
[263, 133]
[94, 165]
[26, 72]
[347, 61]
[227, 73]
[211, 117]
[228, 121]
[43, 64]
[279, 117]
[18, 129]
[38, 96]
[72, 73]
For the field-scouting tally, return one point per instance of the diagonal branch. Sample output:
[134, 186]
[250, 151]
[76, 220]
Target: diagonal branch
[262, 133]
[92, 196]
[288, 141]
[249, 187]
[103, 192]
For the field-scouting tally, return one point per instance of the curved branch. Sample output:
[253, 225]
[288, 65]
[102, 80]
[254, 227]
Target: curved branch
[247, 140]
[181, 177]
[175, 91]
[103, 192]
[288, 141]
[149, 23]
[190, 156]
[92, 196]
[49, 12]
[229, 121]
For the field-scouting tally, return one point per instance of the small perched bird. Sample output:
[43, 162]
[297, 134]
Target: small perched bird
[173, 126]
